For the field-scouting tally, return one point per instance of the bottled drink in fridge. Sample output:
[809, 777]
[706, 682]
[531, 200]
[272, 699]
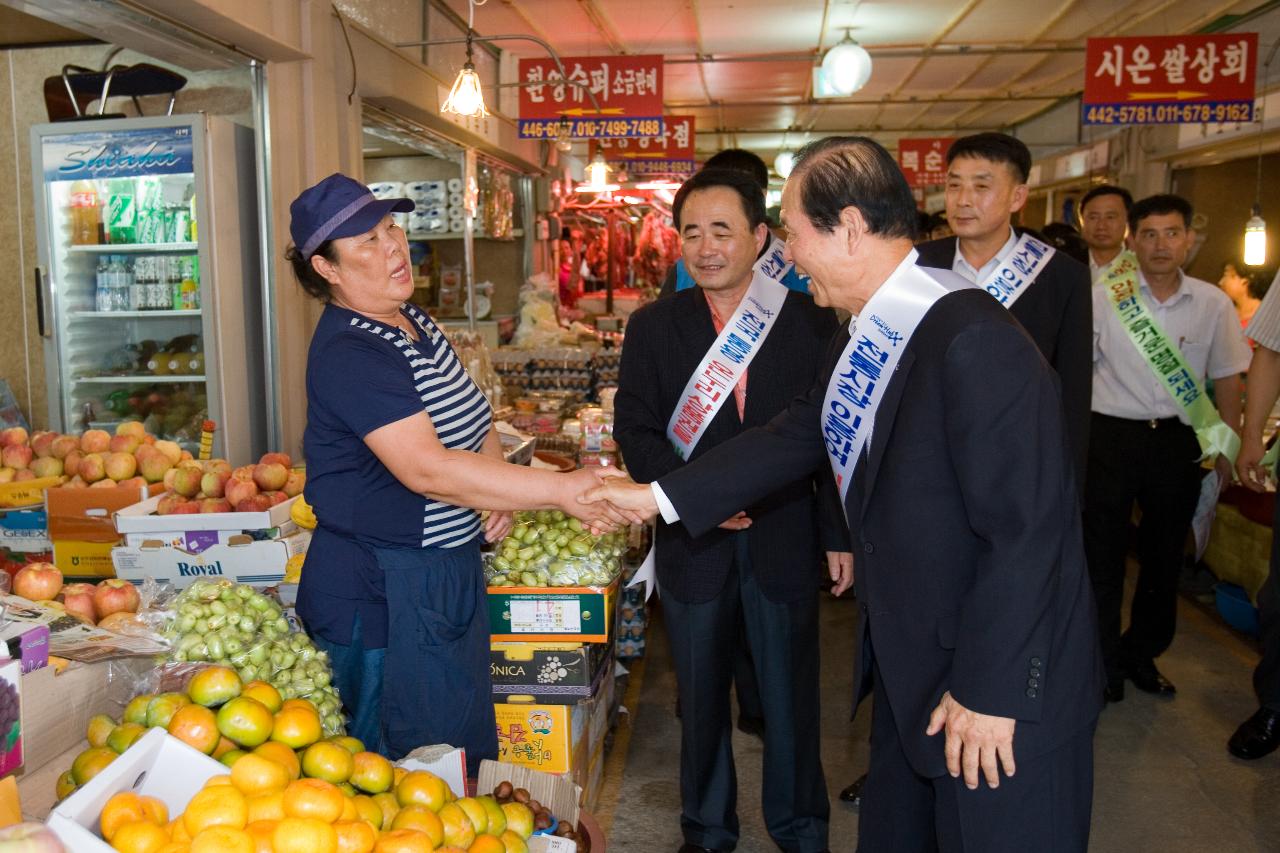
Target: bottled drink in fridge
[137, 279]
[121, 212]
[102, 287]
[187, 297]
[86, 214]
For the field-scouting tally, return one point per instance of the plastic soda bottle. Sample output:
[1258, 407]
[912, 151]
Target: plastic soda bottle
[86, 215]
[121, 212]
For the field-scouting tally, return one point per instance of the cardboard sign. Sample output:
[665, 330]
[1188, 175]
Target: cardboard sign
[924, 160]
[628, 90]
[1170, 79]
[669, 154]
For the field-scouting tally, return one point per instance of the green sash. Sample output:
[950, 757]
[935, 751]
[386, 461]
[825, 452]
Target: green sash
[1166, 360]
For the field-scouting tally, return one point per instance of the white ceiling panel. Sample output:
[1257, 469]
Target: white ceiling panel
[940, 73]
[892, 21]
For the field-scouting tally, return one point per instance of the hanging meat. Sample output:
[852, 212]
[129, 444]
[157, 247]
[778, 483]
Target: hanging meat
[657, 248]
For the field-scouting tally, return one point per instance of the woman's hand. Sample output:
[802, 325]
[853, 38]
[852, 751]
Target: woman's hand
[498, 525]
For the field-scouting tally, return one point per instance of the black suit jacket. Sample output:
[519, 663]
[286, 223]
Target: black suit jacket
[1057, 312]
[666, 341]
[970, 570]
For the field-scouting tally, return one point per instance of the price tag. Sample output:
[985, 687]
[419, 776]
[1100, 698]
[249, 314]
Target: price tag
[542, 616]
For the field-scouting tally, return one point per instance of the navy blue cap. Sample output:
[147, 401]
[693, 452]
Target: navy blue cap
[337, 207]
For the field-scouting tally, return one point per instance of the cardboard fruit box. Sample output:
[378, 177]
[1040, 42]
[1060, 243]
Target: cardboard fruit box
[582, 614]
[542, 737]
[242, 559]
[157, 765]
[555, 673]
[87, 515]
[141, 518]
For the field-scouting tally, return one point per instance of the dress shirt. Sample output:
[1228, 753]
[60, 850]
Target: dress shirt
[1097, 272]
[1264, 327]
[1198, 317]
[978, 276]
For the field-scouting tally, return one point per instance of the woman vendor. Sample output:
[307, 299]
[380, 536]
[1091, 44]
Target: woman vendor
[401, 453]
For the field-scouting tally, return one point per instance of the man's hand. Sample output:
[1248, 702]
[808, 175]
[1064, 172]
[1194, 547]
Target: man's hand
[600, 516]
[738, 522]
[1253, 474]
[636, 500]
[973, 741]
[840, 565]
[1223, 466]
[497, 526]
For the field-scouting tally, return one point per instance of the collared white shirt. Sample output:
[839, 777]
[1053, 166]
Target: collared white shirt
[1097, 272]
[960, 266]
[1198, 317]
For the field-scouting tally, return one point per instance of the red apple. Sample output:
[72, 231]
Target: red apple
[154, 466]
[186, 456]
[238, 490]
[47, 466]
[293, 486]
[42, 443]
[214, 484]
[134, 428]
[169, 503]
[64, 444]
[121, 466]
[124, 444]
[104, 483]
[75, 482]
[13, 435]
[93, 467]
[23, 475]
[71, 462]
[255, 503]
[276, 459]
[171, 451]
[215, 505]
[38, 581]
[276, 497]
[168, 478]
[114, 595]
[187, 507]
[95, 441]
[217, 466]
[17, 456]
[77, 598]
[7, 475]
[270, 477]
[186, 481]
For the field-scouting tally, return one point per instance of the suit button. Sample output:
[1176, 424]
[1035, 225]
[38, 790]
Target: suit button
[868, 548]
[1035, 661]
[1033, 682]
[1034, 673]
[1031, 693]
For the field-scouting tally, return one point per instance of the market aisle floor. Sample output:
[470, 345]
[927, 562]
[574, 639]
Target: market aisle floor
[1164, 779]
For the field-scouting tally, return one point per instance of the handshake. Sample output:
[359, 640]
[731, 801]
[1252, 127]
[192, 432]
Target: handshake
[605, 499]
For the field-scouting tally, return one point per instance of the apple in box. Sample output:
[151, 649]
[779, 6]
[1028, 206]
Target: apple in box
[16, 456]
[13, 435]
[47, 466]
[64, 444]
[29, 837]
[95, 441]
[77, 598]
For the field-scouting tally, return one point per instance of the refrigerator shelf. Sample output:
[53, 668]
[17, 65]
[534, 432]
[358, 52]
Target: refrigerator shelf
[425, 236]
[168, 378]
[134, 314]
[133, 248]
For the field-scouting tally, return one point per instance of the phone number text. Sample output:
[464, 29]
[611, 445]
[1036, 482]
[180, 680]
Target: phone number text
[592, 128]
[1171, 112]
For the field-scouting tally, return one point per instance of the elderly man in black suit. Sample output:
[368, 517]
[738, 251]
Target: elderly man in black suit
[943, 426]
[700, 367]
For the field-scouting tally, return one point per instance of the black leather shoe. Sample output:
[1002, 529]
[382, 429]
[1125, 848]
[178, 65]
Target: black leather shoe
[1257, 736]
[853, 793]
[694, 848]
[1148, 679]
[751, 725]
[1114, 691]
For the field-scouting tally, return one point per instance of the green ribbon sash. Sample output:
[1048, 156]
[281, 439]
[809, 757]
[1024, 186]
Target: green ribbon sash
[1166, 361]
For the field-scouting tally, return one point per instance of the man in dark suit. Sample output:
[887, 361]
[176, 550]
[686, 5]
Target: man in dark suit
[986, 186]
[760, 561]
[978, 621]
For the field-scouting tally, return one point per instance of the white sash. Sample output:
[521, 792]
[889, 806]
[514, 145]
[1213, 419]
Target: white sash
[1010, 280]
[772, 263]
[713, 381]
[876, 343]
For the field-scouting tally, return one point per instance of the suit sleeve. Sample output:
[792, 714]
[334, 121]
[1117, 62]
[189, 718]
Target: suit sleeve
[640, 422]
[756, 463]
[1073, 362]
[1001, 416]
[833, 525]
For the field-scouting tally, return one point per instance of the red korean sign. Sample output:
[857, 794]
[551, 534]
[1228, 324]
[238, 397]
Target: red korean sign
[628, 90]
[1170, 79]
[669, 154]
[924, 161]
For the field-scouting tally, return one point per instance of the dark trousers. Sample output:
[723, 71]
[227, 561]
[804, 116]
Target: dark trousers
[357, 673]
[1044, 807]
[435, 685]
[784, 648]
[1156, 467]
[1266, 678]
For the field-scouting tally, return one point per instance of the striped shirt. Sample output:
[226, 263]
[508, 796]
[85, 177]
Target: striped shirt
[1265, 325]
[362, 375]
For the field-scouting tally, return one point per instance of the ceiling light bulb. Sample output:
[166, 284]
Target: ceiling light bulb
[465, 98]
[597, 173]
[784, 163]
[1255, 240]
[847, 66]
